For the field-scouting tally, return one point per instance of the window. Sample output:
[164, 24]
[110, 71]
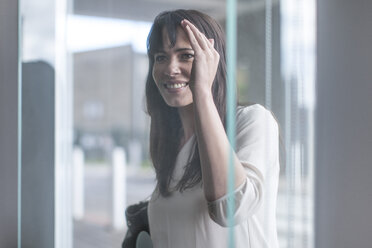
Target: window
[98, 53]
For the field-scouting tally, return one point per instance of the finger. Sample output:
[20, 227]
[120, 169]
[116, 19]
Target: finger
[214, 51]
[211, 43]
[193, 41]
[199, 36]
[208, 42]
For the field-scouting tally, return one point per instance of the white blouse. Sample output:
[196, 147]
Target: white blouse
[186, 219]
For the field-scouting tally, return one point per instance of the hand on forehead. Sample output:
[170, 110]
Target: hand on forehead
[182, 39]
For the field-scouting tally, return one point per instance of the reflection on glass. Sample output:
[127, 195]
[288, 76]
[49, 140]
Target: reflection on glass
[97, 53]
[108, 66]
[38, 73]
[298, 73]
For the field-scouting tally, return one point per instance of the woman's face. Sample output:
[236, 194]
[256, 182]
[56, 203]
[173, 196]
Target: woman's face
[172, 69]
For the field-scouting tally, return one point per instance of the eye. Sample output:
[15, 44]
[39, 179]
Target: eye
[187, 56]
[160, 58]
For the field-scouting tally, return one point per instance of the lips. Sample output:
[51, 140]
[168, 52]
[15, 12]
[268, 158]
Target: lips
[172, 86]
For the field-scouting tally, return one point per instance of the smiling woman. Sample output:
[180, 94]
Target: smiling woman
[172, 69]
[167, 33]
[186, 100]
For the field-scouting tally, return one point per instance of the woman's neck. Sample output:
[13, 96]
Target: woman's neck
[187, 119]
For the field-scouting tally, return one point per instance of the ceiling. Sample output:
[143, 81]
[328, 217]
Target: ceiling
[146, 10]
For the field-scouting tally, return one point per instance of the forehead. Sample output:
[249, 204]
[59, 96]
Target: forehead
[181, 39]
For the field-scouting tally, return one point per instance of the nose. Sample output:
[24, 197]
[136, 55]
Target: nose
[173, 68]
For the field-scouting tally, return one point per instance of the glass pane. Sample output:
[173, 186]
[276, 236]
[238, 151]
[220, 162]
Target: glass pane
[84, 74]
[38, 76]
[108, 69]
[298, 74]
[276, 62]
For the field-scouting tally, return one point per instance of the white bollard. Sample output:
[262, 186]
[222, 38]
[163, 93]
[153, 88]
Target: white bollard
[119, 193]
[78, 183]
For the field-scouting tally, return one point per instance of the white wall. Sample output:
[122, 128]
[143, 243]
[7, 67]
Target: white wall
[344, 124]
[8, 122]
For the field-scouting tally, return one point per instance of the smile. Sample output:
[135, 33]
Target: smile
[175, 86]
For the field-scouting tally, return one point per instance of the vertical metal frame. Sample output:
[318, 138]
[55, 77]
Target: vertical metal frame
[9, 131]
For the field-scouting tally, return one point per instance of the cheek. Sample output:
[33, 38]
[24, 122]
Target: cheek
[155, 74]
[188, 69]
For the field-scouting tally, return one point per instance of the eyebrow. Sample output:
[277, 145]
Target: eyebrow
[177, 50]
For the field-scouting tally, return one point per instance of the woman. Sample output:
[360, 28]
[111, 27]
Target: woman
[186, 95]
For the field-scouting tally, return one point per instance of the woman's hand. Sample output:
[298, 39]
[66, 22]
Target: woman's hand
[213, 143]
[205, 63]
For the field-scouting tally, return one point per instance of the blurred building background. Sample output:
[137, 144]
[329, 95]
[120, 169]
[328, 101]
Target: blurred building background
[83, 72]
[109, 104]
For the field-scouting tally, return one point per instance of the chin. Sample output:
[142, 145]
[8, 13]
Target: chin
[178, 104]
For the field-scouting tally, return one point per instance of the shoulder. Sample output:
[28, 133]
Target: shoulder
[257, 135]
[254, 113]
[252, 109]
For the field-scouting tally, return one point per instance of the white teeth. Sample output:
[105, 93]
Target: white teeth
[175, 86]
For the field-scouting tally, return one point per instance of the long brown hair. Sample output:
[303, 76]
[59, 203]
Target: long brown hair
[166, 127]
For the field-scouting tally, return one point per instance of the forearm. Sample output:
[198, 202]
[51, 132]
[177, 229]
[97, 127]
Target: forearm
[213, 148]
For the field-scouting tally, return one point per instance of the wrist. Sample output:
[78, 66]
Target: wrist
[203, 101]
[202, 94]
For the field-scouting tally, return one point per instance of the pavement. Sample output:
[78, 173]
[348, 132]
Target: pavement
[95, 230]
